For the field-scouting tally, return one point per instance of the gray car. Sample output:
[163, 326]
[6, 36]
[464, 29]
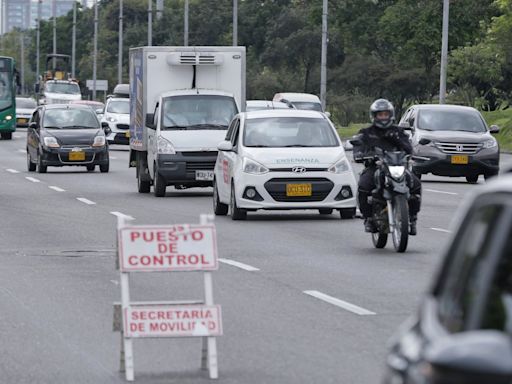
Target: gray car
[455, 139]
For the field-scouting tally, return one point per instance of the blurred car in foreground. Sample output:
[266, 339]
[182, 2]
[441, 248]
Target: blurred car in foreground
[66, 135]
[258, 105]
[25, 106]
[455, 140]
[462, 332]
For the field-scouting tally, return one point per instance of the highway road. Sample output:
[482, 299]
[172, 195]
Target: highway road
[58, 282]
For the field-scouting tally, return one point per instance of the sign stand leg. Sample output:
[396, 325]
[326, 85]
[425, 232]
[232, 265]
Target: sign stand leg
[204, 353]
[122, 367]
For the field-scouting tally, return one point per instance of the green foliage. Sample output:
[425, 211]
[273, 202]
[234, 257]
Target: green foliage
[503, 119]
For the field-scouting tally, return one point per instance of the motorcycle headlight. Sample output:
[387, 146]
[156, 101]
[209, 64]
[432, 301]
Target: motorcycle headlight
[396, 171]
[491, 143]
[111, 119]
[51, 142]
[165, 147]
[340, 166]
[99, 141]
[253, 167]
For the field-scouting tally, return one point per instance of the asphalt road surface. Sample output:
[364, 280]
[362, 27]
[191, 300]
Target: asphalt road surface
[58, 282]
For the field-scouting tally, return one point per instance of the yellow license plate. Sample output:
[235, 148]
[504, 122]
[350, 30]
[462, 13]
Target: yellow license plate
[299, 190]
[127, 134]
[460, 159]
[22, 121]
[77, 156]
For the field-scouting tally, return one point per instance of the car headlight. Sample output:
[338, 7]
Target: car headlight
[396, 171]
[340, 166]
[111, 119]
[491, 143]
[165, 147]
[99, 141]
[253, 167]
[51, 142]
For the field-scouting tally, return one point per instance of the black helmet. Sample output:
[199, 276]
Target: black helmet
[382, 105]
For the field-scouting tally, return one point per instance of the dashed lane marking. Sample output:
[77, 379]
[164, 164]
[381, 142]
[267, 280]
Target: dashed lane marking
[441, 230]
[57, 189]
[120, 214]
[443, 192]
[237, 264]
[340, 303]
[33, 179]
[12, 170]
[85, 201]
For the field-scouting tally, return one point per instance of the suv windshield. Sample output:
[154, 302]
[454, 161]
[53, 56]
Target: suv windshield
[67, 88]
[69, 118]
[119, 106]
[26, 103]
[289, 132]
[450, 120]
[198, 112]
[308, 106]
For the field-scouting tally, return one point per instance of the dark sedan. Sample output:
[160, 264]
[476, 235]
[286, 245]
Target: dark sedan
[66, 135]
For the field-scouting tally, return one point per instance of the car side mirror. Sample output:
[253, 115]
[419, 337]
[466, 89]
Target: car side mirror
[494, 129]
[405, 126]
[99, 111]
[149, 121]
[225, 146]
[106, 128]
[424, 141]
[33, 125]
[473, 357]
[328, 114]
[356, 141]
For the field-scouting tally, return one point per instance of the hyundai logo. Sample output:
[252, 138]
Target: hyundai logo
[459, 148]
[299, 169]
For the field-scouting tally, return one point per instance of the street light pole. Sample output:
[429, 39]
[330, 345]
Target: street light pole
[323, 64]
[444, 52]
[235, 23]
[38, 39]
[150, 22]
[22, 73]
[120, 45]
[95, 50]
[185, 32]
[73, 43]
[54, 13]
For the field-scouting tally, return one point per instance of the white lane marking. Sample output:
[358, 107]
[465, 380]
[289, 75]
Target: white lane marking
[57, 189]
[85, 201]
[22, 150]
[120, 214]
[12, 170]
[340, 303]
[443, 192]
[115, 282]
[33, 179]
[441, 230]
[237, 264]
[113, 157]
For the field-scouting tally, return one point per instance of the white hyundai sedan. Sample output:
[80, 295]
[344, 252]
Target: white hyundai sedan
[282, 160]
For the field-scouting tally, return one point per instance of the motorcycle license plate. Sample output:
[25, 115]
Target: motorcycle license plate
[299, 190]
[77, 156]
[204, 175]
[460, 159]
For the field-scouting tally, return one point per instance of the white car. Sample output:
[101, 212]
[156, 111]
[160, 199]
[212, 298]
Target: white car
[117, 117]
[257, 105]
[281, 160]
[300, 100]
[25, 107]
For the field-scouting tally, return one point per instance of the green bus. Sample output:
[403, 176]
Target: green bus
[7, 97]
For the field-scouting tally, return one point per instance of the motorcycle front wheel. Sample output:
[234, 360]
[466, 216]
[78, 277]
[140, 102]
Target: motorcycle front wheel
[401, 228]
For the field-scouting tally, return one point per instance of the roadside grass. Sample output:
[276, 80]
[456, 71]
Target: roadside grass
[351, 130]
[503, 119]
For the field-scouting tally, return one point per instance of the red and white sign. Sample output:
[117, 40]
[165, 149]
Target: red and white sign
[168, 248]
[172, 321]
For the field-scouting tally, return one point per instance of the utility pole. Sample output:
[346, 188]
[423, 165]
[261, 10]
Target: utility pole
[54, 13]
[235, 23]
[323, 64]
[22, 72]
[159, 9]
[444, 52]
[120, 45]
[38, 39]
[95, 50]
[150, 22]
[185, 32]
[73, 43]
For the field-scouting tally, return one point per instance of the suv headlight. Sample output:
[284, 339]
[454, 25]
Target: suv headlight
[253, 167]
[491, 143]
[99, 141]
[111, 119]
[164, 146]
[51, 142]
[340, 166]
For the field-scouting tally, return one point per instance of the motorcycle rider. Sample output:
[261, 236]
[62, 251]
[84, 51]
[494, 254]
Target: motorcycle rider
[385, 135]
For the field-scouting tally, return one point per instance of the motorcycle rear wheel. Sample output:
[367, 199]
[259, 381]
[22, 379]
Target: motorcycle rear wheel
[401, 229]
[379, 239]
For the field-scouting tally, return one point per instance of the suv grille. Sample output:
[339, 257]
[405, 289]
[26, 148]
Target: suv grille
[464, 148]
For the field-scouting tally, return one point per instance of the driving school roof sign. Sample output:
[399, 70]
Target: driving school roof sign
[167, 248]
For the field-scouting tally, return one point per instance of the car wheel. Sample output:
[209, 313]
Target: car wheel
[90, 167]
[159, 185]
[325, 211]
[6, 135]
[236, 213]
[40, 167]
[220, 209]
[347, 213]
[104, 168]
[30, 165]
[473, 179]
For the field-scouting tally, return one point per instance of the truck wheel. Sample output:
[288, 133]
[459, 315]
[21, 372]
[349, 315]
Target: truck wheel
[236, 213]
[30, 165]
[144, 186]
[347, 213]
[220, 209]
[159, 185]
[6, 135]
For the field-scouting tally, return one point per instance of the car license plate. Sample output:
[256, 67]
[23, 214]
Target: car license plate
[77, 156]
[299, 190]
[204, 175]
[460, 159]
[127, 134]
[22, 121]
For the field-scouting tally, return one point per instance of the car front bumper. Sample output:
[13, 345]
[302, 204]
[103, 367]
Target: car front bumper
[57, 157]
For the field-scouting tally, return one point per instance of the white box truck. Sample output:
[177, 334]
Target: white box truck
[182, 100]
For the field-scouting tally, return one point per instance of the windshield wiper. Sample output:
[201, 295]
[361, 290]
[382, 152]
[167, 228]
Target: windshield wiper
[298, 146]
[78, 126]
[52, 127]
[210, 126]
[257, 146]
[176, 127]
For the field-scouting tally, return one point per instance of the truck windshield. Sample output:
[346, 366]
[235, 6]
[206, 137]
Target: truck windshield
[5, 90]
[194, 112]
[70, 118]
[67, 88]
[279, 132]
[450, 120]
[119, 106]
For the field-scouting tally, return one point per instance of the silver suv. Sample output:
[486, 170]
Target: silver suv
[455, 139]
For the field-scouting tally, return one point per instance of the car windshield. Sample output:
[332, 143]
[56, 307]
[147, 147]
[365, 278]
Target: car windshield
[70, 118]
[67, 88]
[279, 132]
[26, 103]
[308, 105]
[194, 112]
[450, 120]
[119, 106]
